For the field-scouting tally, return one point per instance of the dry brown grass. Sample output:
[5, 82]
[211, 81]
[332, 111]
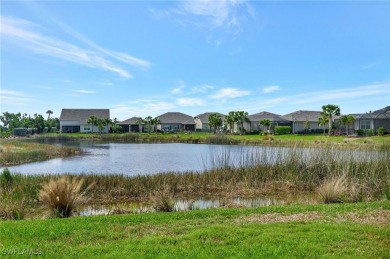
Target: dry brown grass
[163, 200]
[332, 190]
[61, 196]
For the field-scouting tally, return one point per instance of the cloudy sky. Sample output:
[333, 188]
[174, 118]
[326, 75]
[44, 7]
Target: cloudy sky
[141, 58]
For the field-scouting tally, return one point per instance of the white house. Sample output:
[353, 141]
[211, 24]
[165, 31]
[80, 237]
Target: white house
[75, 120]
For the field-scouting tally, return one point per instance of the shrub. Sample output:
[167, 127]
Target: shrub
[370, 132]
[163, 200]
[282, 130]
[333, 189]
[61, 196]
[381, 131]
[360, 132]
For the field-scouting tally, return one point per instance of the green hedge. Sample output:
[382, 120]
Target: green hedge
[282, 130]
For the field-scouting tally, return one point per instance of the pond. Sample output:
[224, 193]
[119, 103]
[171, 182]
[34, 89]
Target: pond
[141, 159]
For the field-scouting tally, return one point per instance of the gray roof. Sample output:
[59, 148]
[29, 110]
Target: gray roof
[204, 117]
[266, 115]
[131, 121]
[303, 116]
[383, 113]
[176, 118]
[82, 115]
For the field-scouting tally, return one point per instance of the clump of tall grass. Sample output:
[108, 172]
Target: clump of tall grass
[221, 140]
[163, 200]
[333, 190]
[61, 196]
[12, 209]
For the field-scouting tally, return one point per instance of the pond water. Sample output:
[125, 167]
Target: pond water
[141, 159]
[132, 159]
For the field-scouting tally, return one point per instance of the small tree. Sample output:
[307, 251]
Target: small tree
[92, 120]
[155, 122]
[139, 121]
[322, 121]
[347, 120]
[148, 122]
[329, 111]
[240, 117]
[306, 125]
[229, 121]
[215, 121]
[265, 123]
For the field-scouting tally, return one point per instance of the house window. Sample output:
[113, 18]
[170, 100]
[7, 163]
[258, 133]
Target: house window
[87, 128]
[365, 124]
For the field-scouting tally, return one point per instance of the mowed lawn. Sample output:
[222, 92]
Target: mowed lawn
[359, 230]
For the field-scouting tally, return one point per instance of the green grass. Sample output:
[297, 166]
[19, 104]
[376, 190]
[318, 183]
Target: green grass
[14, 152]
[213, 233]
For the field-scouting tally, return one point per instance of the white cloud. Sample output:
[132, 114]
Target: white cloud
[201, 89]
[219, 18]
[84, 91]
[10, 97]
[190, 102]
[229, 93]
[270, 89]
[26, 35]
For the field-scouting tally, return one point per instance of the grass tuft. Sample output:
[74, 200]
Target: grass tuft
[163, 200]
[61, 196]
[333, 189]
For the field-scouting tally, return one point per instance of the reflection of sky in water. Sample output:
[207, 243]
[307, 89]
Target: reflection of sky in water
[138, 159]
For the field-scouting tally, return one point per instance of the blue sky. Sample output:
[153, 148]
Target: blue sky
[141, 58]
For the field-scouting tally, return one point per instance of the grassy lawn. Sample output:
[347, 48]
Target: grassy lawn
[358, 230]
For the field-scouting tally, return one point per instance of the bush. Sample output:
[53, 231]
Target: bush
[163, 200]
[370, 132]
[381, 131]
[360, 132]
[282, 130]
[333, 189]
[61, 196]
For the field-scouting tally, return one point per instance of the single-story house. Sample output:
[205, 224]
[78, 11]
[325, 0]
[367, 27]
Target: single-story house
[299, 118]
[75, 120]
[131, 125]
[275, 119]
[175, 121]
[373, 120]
[202, 121]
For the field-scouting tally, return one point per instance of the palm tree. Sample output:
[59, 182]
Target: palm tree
[215, 121]
[347, 120]
[100, 123]
[108, 122]
[240, 117]
[322, 121]
[229, 121]
[155, 122]
[92, 120]
[49, 112]
[265, 123]
[148, 121]
[329, 111]
[139, 121]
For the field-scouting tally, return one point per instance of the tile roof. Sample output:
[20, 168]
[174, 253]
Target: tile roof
[131, 121]
[82, 115]
[176, 118]
[204, 117]
[266, 115]
[303, 116]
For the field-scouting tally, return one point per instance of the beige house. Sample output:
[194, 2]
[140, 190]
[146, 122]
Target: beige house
[75, 120]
